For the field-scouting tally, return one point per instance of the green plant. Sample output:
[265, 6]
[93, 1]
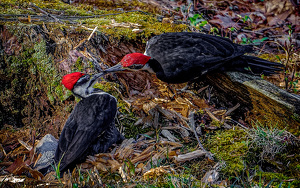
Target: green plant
[269, 141]
[246, 40]
[82, 180]
[246, 18]
[130, 166]
[291, 77]
[194, 19]
[214, 30]
[229, 146]
[255, 178]
[245, 179]
[56, 169]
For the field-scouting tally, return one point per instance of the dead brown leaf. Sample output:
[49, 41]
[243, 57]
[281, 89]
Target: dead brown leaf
[225, 22]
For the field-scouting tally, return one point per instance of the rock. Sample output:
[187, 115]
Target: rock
[47, 147]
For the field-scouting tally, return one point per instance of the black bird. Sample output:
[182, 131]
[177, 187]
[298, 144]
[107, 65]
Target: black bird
[90, 128]
[182, 57]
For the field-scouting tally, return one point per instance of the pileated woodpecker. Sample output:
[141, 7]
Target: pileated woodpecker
[90, 128]
[182, 57]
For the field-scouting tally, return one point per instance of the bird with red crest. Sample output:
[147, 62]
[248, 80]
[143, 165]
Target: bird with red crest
[90, 128]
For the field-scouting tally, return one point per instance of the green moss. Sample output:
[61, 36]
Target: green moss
[33, 82]
[14, 71]
[47, 72]
[229, 146]
[216, 123]
[272, 57]
[170, 180]
[23, 7]
[278, 178]
[149, 24]
[108, 87]
[296, 117]
[79, 64]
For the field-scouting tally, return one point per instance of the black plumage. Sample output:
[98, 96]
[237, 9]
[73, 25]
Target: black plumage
[182, 57]
[90, 129]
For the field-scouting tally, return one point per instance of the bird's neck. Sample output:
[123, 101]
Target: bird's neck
[147, 67]
[153, 66]
[86, 89]
[88, 92]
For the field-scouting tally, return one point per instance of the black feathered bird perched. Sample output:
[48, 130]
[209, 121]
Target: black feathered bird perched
[90, 128]
[182, 57]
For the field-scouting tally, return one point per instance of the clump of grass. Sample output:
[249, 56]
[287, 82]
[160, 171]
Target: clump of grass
[268, 140]
[57, 169]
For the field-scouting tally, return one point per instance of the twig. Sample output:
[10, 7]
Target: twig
[27, 146]
[46, 13]
[86, 54]
[92, 33]
[92, 59]
[232, 109]
[216, 119]
[192, 125]
[239, 124]
[59, 18]
[248, 31]
[202, 89]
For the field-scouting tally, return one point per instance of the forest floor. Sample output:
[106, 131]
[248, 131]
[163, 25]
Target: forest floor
[164, 131]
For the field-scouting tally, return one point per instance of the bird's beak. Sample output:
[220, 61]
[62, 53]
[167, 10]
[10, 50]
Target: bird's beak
[118, 67]
[98, 75]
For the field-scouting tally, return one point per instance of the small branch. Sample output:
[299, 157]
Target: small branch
[92, 59]
[216, 119]
[190, 156]
[232, 109]
[92, 33]
[46, 13]
[192, 125]
[239, 124]
[58, 18]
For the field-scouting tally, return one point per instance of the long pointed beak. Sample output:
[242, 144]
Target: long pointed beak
[98, 75]
[118, 67]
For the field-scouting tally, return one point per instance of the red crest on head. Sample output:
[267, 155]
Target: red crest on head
[70, 80]
[134, 58]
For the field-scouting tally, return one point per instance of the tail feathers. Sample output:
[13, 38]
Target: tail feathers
[261, 66]
[264, 67]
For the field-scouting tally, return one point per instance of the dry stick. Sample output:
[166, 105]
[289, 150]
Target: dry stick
[216, 119]
[192, 124]
[56, 18]
[88, 55]
[92, 33]
[95, 62]
[232, 109]
[239, 124]
[46, 13]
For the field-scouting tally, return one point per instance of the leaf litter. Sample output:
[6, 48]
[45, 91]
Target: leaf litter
[152, 101]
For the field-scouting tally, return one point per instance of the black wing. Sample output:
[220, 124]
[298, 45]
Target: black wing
[90, 117]
[106, 139]
[184, 56]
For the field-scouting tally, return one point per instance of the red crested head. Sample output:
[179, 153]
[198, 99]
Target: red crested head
[134, 58]
[70, 80]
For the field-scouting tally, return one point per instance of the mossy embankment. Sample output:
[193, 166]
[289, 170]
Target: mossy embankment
[36, 54]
